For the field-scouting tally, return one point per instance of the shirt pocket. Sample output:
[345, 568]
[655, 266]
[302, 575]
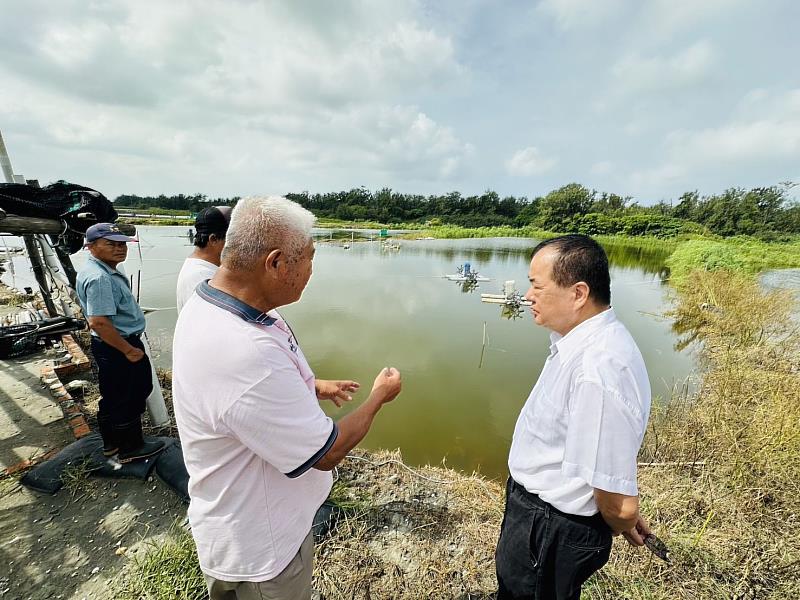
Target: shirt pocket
[546, 419]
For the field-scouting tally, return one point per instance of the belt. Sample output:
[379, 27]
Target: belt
[594, 520]
[135, 336]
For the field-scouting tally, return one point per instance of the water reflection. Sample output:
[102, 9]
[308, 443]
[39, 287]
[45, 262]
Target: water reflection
[648, 257]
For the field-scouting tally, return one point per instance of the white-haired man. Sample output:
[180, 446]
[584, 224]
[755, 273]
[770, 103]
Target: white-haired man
[257, 445]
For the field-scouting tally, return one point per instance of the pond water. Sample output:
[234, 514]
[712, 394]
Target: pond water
[367, 307]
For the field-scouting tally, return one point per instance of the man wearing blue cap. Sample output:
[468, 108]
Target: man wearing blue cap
[117, 324]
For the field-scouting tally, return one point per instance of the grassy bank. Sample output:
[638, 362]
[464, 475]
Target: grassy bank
[739, 254]
[184, 221]
[681, 254]
[722, 484]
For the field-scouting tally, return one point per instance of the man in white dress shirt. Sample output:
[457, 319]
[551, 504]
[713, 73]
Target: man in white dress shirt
[210, 227]
[574, 452]
[257, 445]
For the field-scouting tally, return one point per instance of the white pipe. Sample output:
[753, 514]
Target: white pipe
[155, 401]
[51, 259]
[5, 162]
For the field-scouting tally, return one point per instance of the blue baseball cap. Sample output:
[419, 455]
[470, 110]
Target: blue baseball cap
[108, 231]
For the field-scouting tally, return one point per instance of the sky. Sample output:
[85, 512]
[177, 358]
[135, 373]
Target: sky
[643, 98]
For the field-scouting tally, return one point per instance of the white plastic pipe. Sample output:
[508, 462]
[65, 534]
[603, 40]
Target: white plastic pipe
[5, 162]
[155, 401]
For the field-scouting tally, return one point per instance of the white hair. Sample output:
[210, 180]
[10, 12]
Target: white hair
[260, 224]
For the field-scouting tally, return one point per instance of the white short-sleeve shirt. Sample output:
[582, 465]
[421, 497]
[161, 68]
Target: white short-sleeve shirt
[251, 429]
[583, 423]
[193, 272]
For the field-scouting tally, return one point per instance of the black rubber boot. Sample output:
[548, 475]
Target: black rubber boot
[109, 435]
[132, 445]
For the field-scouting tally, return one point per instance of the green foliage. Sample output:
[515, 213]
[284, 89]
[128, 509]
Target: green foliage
[635, 224]
[166, 569]
[767, 213]
[170, 204]
[739, 255]
[559, 207]
[453, 232]
[760, 211]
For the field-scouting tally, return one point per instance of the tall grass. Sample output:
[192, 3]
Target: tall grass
[452, 232]
[722, 485]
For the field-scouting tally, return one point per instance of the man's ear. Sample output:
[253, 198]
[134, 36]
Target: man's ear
[274, 259]
[581, 293]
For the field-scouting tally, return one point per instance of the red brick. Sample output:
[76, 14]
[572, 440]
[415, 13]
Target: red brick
[65, 369]
[81, 430]
[28, 463]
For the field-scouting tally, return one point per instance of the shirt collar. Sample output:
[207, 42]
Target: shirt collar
[577, 337]
[233, 305]
[104, 266]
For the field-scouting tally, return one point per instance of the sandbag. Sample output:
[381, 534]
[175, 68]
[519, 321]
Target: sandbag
[325, 520]
[46, 477]
[171, 469]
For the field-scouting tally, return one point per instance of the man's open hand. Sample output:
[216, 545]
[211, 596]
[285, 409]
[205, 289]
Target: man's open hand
[336, 390]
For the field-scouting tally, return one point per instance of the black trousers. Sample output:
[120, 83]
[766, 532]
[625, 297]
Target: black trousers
[543, 553]
[124, 386]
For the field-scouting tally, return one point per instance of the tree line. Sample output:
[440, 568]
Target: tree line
[766, 212]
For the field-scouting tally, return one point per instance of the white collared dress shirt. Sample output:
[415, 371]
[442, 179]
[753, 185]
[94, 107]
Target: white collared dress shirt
[583, 423]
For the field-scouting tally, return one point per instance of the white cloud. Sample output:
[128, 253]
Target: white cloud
[766, 128]
[664, 177]
[662, 19]
[399, 138]
[233, 86]
[635, 73]
[529, 161]
[761, 136]
[604, 167]
[575, 14]
[232, 97]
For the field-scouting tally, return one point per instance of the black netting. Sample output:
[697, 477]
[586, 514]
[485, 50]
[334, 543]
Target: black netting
[78, 206]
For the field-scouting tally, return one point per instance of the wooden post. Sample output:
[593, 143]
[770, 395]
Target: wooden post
[17, 225]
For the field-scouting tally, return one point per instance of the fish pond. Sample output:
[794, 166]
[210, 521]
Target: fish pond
[374, 305]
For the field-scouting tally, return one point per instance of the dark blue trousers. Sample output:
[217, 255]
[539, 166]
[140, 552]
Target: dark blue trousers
[124, 386]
